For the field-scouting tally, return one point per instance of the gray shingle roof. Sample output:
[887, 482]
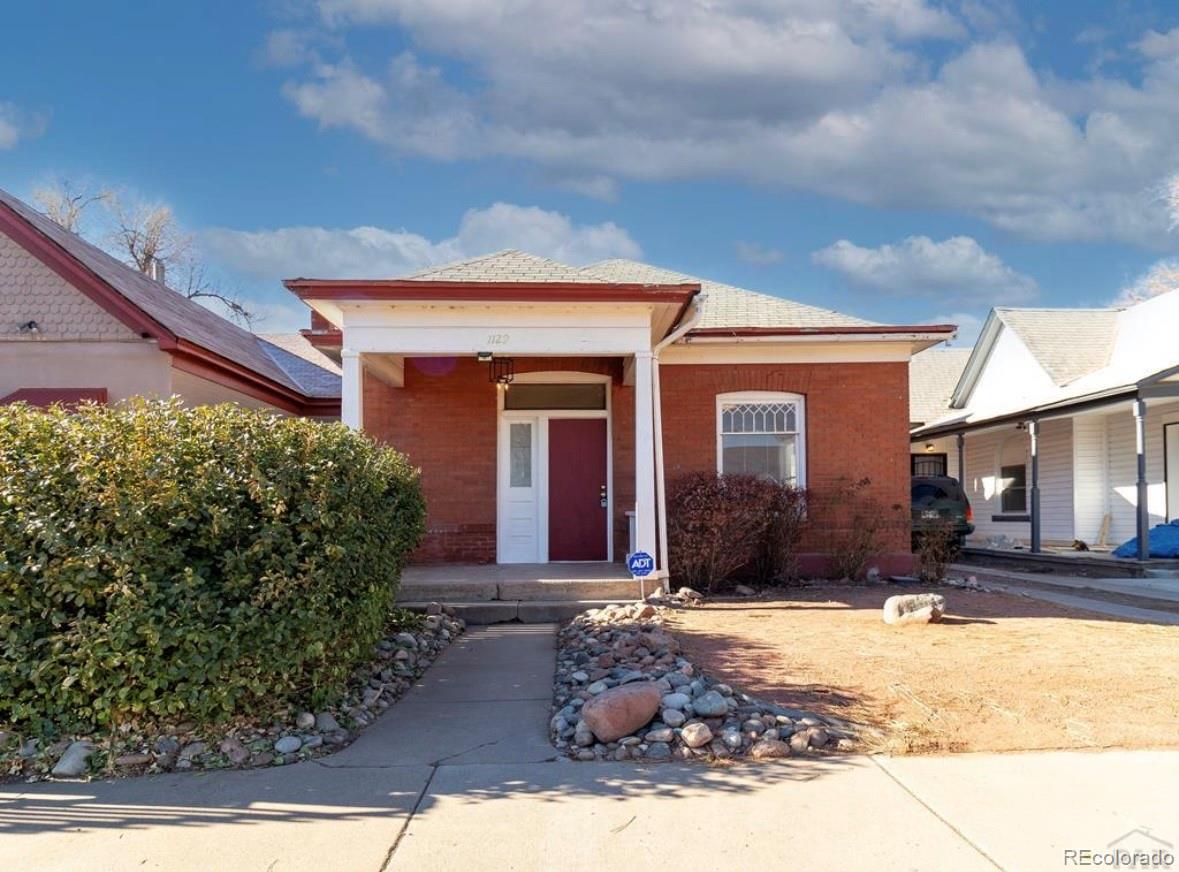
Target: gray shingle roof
[933, 375]
[178, 314]
[1068, 343]
[509, 265]
[728, 306]
[316, 373]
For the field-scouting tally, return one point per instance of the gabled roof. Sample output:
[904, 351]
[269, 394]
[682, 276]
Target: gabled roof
[1068, 343]
[728, 306]
[932, 377]
[509, 265]
[729, 312]
[149, 307]
[1138, 356]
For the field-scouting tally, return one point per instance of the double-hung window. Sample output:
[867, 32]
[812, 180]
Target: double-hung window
[762, 434]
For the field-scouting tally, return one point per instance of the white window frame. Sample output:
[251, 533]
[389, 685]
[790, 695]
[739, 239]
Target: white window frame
[738, 397]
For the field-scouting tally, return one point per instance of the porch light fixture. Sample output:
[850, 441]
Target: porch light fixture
[483, 356]
[30, 327]
[502, 370]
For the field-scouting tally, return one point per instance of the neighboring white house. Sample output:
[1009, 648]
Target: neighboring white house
[1061, 422]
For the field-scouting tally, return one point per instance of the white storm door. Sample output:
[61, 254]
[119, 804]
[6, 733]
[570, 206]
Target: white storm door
[518, 522]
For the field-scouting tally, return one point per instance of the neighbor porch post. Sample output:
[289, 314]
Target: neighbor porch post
[1034, 436]
[645, 536]
[962, 460]
[1143, 495]
[351, 389]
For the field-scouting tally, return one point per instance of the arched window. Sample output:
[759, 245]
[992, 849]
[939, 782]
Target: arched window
[762, 433]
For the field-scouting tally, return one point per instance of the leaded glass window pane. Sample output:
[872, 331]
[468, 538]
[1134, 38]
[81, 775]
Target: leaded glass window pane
[762, 439]
[520, 455]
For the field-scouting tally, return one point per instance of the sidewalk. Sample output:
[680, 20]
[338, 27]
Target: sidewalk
[1139, 599]
[460, 775]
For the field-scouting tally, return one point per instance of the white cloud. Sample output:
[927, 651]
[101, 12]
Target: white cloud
[956, 270]
[373, 252]
[831, 97]
[17, 124]
[758, 255]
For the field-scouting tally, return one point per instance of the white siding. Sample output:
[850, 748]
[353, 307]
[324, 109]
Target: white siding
[984, 452]
[1123, 466]
[1091, 498]
[1011, 377]
[1056, 481]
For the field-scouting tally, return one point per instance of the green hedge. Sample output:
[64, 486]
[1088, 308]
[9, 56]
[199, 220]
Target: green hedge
[163, 563]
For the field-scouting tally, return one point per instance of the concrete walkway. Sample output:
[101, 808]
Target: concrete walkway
[460, 775]
[1152, 600]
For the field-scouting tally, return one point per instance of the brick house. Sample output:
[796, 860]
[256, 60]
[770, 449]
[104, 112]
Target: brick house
[548, 406]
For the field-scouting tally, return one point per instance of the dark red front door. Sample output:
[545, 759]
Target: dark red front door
[577, 482]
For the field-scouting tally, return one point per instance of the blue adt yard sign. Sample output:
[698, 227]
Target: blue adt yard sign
[640, 564]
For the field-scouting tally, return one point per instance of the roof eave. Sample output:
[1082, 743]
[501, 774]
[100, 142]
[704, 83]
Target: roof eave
[876, 332]
[409, 290]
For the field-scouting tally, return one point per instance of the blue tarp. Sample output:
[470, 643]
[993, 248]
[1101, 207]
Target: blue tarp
[1164, 542]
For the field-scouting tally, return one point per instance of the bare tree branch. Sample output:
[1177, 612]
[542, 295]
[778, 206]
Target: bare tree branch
[142, 233]
[66, 202]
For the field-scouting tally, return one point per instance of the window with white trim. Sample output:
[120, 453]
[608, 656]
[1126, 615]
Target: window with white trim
[761, 434]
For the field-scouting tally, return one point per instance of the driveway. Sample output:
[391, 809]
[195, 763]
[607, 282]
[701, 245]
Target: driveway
[459, 775]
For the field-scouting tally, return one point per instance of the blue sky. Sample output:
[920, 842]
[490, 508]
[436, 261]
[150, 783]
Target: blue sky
[901, 160]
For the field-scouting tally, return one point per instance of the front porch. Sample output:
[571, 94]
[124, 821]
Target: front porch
[530, 407]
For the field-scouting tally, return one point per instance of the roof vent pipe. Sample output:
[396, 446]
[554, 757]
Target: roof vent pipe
[156, 270]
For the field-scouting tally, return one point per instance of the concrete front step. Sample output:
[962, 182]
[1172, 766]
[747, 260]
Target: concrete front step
[547, 590]
[522, 611]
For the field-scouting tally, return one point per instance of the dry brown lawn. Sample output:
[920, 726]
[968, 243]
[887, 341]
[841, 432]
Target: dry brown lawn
[1000, 673]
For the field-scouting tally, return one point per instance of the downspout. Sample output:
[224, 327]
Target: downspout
[657, 399]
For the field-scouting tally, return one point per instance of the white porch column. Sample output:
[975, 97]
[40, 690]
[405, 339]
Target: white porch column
[645, 536]
[351, 389]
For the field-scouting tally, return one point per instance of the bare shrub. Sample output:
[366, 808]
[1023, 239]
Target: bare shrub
[860, 521]
[936, 546]
[787, 521]
[721, 525]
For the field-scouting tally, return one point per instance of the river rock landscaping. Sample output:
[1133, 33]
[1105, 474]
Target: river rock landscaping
[624, 691]
[281, 738]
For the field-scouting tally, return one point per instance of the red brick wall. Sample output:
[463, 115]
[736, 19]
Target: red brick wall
[857, 420]
[444, 420]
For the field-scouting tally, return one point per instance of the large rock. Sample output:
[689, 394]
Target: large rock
[696, 735]
[766, 749]
[914, 608]
[710, 704]
[73, 761]
[621, 710]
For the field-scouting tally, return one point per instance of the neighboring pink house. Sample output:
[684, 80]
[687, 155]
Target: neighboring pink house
[77, 324]
[548, 406]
